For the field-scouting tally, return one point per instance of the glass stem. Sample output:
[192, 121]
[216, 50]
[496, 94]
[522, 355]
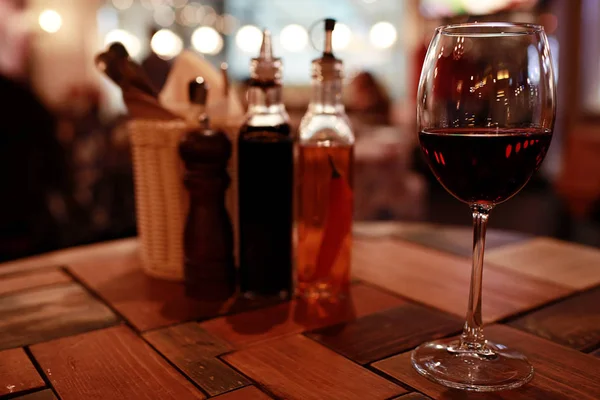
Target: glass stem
[472, 337]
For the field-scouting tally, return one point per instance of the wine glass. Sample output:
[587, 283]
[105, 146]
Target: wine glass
[485, 111]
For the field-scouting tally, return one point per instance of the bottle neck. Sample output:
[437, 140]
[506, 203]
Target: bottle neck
[265, 100]
[327, 97]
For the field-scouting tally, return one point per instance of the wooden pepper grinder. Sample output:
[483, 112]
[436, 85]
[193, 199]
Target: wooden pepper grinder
[208, 236]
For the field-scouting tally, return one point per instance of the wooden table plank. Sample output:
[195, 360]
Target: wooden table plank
[112, 363]
[459, 240]
[560, 372]
[41, 395]
[452, 239]
[387, 229]
[596, 353]
[19, 282]
[149, 303]
[194, 351]
[413, 396]
[68, 256]
[17, 373]
[48, 313]
[296, 367]
[385, 333]
[574, 322]
[247, 393]
[568, 264]
[442, 280]
[249, 328]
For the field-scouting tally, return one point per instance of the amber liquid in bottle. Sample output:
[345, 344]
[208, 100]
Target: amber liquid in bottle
[324, 184]
[314, 197]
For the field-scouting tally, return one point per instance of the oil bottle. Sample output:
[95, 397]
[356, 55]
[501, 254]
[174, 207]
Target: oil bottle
[324, 183]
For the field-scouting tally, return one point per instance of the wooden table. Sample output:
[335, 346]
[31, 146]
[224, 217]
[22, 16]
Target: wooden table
[86, 323]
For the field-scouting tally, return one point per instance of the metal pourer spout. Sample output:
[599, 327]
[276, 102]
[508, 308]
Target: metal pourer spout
[266, 68]
[266, 48]
[328, 67]
[329, 27]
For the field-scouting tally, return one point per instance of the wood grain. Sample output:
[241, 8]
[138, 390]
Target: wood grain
[560, 372]
[245, 329]
[413, 396]
[113, 364]
[46, 277]
[68, 256]
[149, 303]
[567, 264]
[17, 373]
[48, 313]
[194, 351]
[295, 367]
[442, 280]
[459, 240]
[41, 395]
[385, 333]
[574, 322]
[247, 393]
[387, 229]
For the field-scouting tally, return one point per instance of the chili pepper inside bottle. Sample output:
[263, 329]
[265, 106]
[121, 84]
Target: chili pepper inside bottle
[324, 187]
[265, 163]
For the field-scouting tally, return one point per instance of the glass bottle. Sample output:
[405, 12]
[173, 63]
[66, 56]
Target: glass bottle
[324, 188]
[265, 165]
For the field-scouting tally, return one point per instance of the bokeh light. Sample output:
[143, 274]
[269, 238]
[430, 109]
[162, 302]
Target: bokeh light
[178, 3]
[249, 38]
[207, 40]
[122, 4]
[50, 21]
[293, 38]
[164, 16]
[189, 14]
[482, 7]
[166, 44]
[383, 35]
[342, 35]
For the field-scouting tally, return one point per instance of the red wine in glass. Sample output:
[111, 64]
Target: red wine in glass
[481, 165]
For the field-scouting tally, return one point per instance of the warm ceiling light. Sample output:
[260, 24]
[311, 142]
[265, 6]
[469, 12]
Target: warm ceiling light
[293, 38]
[50, 21]
[249, 38]
[166, 44]
[341, 37]
[383, 35]
[207, 40]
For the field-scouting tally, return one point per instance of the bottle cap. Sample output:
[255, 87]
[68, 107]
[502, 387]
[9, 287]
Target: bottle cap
[265, 68]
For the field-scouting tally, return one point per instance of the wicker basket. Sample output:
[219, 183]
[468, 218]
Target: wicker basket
[161, 199]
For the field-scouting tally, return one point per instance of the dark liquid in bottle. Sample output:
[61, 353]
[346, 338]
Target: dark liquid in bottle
[266, 209]
[485, 166]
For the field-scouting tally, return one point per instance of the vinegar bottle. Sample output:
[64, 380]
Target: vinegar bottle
[265, 165]
[324, 187]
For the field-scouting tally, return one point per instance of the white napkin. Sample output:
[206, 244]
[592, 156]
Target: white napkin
[174, 95]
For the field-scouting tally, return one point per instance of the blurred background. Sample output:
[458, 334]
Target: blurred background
[65, 164]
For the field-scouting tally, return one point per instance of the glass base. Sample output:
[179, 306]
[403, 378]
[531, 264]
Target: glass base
[490, 369]
[321, 291]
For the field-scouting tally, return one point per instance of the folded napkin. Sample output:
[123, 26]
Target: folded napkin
[221, 109]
